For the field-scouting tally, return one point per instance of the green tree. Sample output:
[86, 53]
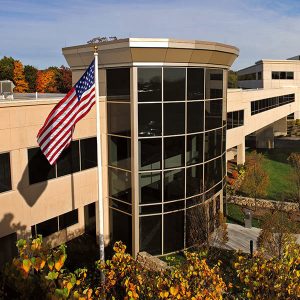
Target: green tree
[7, 68]
[232, 79]
[31, 76]
[64, 79]
[256, 179]
[294, 160]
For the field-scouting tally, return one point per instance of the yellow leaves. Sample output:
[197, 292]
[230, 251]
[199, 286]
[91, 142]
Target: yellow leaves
[164, 294]
[26, 265]
[60, 262]
[174, 290]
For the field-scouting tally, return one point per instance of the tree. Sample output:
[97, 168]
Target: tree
[45, 82]
[294, 160]
[277, 232]
[275, 278]
[256, 179]
[7, 68]
[31, 77]
[64, 79]
[19, 78]
[232, 79]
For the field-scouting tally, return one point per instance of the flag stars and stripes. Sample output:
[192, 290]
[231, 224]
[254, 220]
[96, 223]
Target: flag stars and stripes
[56, 133]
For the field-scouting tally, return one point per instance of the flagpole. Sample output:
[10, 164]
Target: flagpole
[100, 194]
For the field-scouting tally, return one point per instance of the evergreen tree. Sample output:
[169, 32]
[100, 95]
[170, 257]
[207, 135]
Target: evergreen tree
[7, 68]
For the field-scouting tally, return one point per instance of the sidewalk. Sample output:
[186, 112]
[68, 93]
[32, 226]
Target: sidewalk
[239, 237]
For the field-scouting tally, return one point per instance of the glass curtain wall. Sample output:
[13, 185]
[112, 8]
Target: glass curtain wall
[119, 154]
[181, 129]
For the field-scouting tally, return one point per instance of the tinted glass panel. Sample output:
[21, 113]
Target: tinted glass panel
[174, 114]
[39, 167]
[213, 114]
[212, 173]
[121, 228]
[150, 154]
[150, 187]
[149, 84]
[174, 152]
[214, 83]
[150, 234]
[119, 184]
[195, 84]
[195, 117]
[68, 219]
[194, 180]
[150, 209]
[173, 231]
[48, 227]
[118, 83]
[118, 118]
[194, 149]
[68, 161]
[150, 120]
[213, 144]
[120, 205]
[88, 148]
[175, 205]
[174, 184]
[119, 152]
[174, 84]
[5, 177]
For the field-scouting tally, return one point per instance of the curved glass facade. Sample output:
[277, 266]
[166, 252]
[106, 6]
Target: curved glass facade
[180, 156]
[181, 130]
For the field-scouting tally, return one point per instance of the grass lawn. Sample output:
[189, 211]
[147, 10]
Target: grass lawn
[235, 215]
[276, 165]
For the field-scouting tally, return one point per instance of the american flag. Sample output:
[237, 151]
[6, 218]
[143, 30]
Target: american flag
[56, 133]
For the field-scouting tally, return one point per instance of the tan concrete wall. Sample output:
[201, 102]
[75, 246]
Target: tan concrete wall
[26, 205]
[238, 99]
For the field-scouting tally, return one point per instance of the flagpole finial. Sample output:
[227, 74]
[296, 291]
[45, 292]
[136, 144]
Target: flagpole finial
[96, 48]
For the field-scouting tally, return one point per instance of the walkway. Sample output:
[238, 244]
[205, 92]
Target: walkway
[239, 237]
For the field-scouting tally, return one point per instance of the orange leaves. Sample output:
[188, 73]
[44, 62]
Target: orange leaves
[46, 81]
[21, 85]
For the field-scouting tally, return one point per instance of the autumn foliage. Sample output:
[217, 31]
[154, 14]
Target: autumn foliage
[21, 85]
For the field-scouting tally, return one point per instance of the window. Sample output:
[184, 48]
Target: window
[173, 231]
[194, 149]
[174, 84]
[174, 115]
[5, 175]
[194, 180]
[235, 119]
[212, 173]
[150, 187]
[150, 154]
[195, 84]
[118, 84]
[213, 114]
[214, 83]
[119, 184]
[262, 105]
[47, 228]
[174, 184]
[282, 75]
[174, 151]
[119, 152]
[39, 167]
[151, 234]
[149, 84]
[121, 228]
[69, 161]
[150, 119]
[68, 219]
[118, 119]
[251, 76]
[213, 144]
[195, 117]
[88, 153]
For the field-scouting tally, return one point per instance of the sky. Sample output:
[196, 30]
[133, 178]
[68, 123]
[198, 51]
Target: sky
[35, 31]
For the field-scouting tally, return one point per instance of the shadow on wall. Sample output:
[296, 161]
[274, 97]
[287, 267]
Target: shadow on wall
[33, 184]
[8, 249]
